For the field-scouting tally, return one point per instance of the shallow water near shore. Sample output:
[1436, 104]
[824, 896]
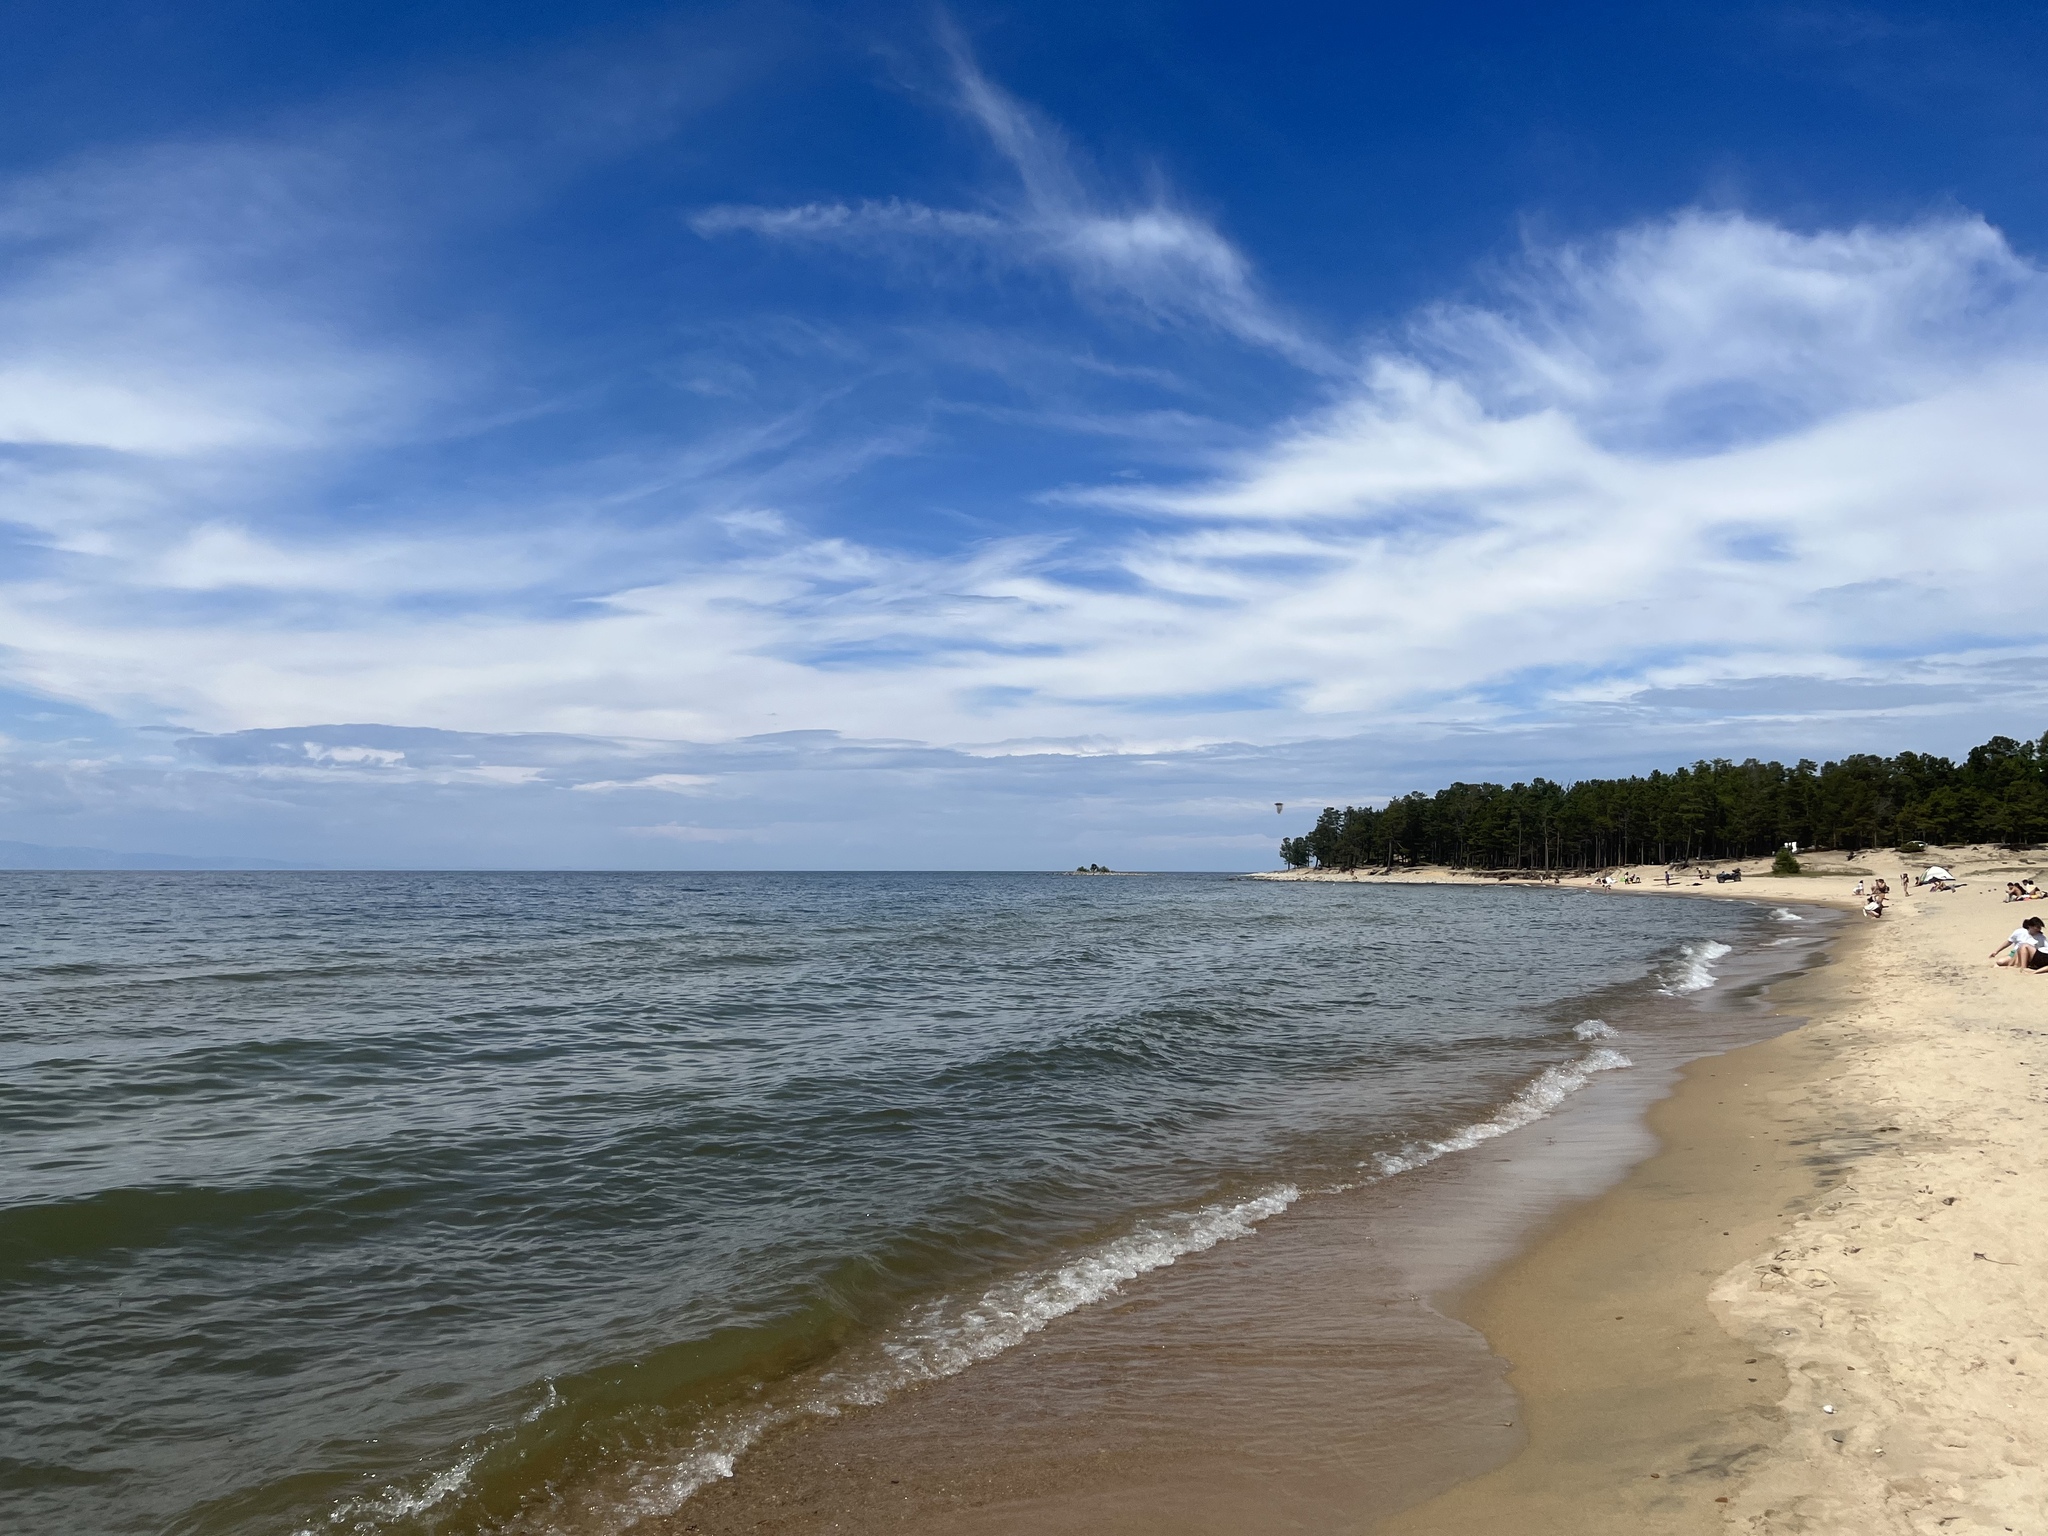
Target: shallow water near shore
[449, 1203]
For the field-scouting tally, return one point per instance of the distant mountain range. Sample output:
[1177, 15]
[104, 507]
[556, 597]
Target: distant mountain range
[37, 856]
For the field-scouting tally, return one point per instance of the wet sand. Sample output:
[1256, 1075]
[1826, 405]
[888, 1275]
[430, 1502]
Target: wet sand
[1279, 1383]
[1306, 1379]
[1642, 1408]
[1822, 1307]
[1817, 1302]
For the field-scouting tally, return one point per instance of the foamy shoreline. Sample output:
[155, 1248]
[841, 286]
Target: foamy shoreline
[1321, 1323]
[1828, 1292]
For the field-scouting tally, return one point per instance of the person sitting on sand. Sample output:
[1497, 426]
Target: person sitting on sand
[1874, 907]
[2030, 890]
[2013, 891]
[2028, 946]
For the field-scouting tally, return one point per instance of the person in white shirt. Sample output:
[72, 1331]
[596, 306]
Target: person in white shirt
[2028, 944]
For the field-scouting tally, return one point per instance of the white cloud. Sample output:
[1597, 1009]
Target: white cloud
[1700, 328]
[851, 222]
[666, 783]
[221, 557]
[1170, 264]
[148, 310]
[376, 757]
[1662, 461]
[1706, 468]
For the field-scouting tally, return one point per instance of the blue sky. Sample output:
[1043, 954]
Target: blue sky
[794, 436]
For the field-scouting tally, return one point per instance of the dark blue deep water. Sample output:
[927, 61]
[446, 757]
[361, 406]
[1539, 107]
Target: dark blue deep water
[455, 1203]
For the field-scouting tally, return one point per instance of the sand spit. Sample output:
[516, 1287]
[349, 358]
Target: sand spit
[1823, 1306]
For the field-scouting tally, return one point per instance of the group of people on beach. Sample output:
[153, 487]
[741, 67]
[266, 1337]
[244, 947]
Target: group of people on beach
[1875, 897]
[2023, 890]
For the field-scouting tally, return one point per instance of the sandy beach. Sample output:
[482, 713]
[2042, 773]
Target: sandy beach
[1819, 1307]
[1812, 1303]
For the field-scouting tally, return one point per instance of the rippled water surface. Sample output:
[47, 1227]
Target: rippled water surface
[410, 1202]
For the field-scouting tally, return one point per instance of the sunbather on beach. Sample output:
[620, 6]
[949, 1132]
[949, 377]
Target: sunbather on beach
[2026, 947]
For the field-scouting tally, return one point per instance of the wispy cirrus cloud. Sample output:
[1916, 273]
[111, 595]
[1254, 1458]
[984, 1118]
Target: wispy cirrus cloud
[1704, 330]
[1151, 256]
[197, 325]
[136, 319]
[1705, 464]
[1662, 461]
[1703, 450]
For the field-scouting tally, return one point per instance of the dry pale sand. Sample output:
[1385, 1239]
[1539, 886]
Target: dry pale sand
[1821, 1307]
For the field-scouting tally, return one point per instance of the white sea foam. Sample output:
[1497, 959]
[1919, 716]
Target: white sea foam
[548, 1400]
[1594, 1029]
[391, 1504]
[941, 1339]
[1537, 1098]
[1786, 915]
[1694, 969]
[945, 1337]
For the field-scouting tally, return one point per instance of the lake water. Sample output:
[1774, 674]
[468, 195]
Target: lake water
[395, 1203]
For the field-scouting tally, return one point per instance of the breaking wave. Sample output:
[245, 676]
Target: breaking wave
[1693, 969]
[1537, 1098]
[940, 1339]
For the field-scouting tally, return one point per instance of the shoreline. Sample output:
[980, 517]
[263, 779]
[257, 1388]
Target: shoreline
[1819, 1306]
[1751, 1320]
[1310, 1380]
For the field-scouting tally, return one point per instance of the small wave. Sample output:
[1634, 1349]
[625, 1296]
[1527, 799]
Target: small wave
[1786, 915]
[1695, 967]
[395, 1503]
[1594, 1029]
[116, 1220]
[1537, 1098]
[947, 1336]
[941, 1339]
[946, 1339]
[548, 1400]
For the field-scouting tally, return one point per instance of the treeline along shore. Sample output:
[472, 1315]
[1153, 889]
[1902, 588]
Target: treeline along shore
[1712, 810]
